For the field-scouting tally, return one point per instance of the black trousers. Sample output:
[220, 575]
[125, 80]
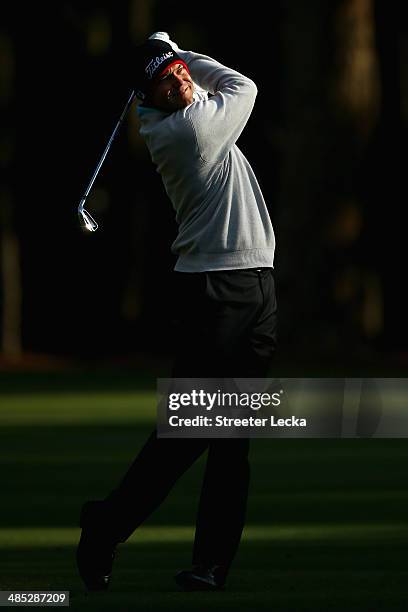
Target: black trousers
[226, 327]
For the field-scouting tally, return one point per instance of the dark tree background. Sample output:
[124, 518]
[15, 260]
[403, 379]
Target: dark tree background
[325, 141]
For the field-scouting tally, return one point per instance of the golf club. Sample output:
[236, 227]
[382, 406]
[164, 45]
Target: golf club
[85, 217]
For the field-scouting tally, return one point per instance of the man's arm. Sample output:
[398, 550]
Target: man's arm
[219, 121]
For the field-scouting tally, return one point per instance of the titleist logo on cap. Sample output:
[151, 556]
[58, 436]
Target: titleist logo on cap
[155, 63]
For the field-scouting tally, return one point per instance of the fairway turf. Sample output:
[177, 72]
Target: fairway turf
[326, 526]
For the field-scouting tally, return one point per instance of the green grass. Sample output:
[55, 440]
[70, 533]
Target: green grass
[327, 524]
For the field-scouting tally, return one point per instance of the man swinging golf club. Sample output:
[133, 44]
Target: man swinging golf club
[192, 112]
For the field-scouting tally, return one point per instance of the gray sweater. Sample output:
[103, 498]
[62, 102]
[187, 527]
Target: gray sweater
[221, 214]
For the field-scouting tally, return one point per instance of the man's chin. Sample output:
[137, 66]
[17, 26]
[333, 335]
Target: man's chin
[185, 98]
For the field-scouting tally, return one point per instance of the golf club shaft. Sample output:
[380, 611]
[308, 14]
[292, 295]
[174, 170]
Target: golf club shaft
[98, 167]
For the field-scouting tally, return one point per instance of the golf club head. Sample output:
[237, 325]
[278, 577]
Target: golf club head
[86, 220]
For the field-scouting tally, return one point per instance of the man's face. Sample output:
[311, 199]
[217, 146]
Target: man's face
[173, 89]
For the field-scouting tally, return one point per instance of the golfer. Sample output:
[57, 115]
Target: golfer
[192, 112]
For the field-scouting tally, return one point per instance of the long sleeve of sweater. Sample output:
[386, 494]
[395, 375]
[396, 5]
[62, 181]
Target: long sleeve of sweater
[219, 121]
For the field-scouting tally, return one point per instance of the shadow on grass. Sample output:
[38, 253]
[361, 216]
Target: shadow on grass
[293, 576]
[48, 472]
